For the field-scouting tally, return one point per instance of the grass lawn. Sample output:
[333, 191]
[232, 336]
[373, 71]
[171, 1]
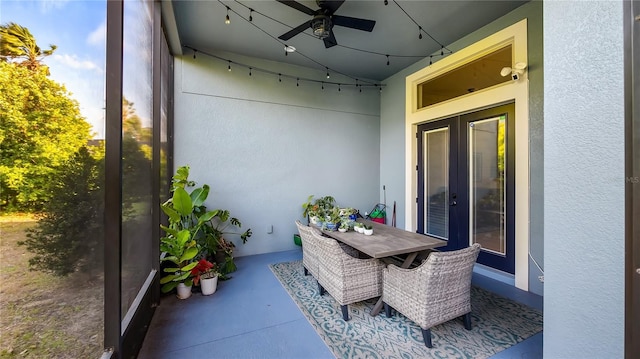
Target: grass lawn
[41, 315]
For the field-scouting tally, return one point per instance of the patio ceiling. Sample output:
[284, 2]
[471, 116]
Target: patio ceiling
[201, 25]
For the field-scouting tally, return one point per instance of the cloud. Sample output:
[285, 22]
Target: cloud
[98, 36]
[73, 62]
[47, 6]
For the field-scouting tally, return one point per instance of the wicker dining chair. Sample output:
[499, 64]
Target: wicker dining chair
[347, 279]
[435, 292]
[310, 253]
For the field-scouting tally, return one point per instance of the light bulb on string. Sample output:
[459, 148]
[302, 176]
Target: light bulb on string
[229, 66]
[442, 51]
[339, 89]
[227, 20]
[386, 2]
[328, 76]
[297, 82]
[250, 71]
[430, 60]
[420, 32]
[194, 53]
[323, 85]
[279, 77]
[387, 60]
[250, 17]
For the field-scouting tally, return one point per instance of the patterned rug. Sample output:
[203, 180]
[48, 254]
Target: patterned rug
[498, 323]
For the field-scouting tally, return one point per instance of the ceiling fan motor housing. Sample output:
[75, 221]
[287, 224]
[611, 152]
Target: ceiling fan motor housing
[321, 25]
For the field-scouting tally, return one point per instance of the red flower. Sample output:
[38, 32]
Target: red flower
[202, 267]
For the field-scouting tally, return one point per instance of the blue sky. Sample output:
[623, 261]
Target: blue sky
[78, 29]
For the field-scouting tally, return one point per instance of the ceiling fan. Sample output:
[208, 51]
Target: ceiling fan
[323, 21]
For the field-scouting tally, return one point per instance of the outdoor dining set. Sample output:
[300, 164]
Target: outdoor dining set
[400, 267]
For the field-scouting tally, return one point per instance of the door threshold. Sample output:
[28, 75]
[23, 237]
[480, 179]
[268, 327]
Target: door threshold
[493, 273]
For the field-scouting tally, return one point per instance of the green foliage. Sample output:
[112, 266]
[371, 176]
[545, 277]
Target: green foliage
[187, 212]
[17, 44]
[40, 129]
[69, 236]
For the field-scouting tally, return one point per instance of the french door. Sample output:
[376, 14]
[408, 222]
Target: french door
[466, 171]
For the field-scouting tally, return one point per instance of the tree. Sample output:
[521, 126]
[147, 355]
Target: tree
[17, 43]
[70, 233]
[40, 128]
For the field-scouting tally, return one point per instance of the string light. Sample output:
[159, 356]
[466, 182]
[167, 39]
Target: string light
[387, 60]
[227, 20]
[386, 2]
[280, 75]
[328, 76]
[194, 53]
[430, 60]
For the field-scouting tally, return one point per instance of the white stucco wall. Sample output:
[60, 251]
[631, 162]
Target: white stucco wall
[584, 180]
[264, 146]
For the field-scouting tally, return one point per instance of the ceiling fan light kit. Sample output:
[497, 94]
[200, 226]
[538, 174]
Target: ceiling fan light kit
[321, 25]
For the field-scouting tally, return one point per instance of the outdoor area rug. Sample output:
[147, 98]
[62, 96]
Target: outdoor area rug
[498, 323]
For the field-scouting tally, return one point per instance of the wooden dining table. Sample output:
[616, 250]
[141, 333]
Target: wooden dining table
[385, 242]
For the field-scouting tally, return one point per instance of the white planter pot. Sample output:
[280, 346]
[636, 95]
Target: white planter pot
[342, 230]
[368, 232]
[359, 229]
[208, 285]
[184, 292]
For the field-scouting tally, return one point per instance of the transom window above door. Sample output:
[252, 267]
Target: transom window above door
[473, 76]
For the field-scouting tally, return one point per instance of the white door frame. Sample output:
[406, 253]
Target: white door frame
[513, 91]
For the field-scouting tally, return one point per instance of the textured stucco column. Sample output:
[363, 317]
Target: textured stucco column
[583, 179]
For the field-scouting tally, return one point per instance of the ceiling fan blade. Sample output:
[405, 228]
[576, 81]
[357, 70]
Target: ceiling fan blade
[332, 6]
[353, 22]
[330, 41]
[297, 6]
[295, 31]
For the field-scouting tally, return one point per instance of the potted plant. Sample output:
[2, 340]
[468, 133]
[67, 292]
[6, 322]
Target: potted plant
[332, 219]
[317, 210]
[205, 274]
[179, 249]
[344, 226]
[186, 211]
[368, 229]
[358, 227]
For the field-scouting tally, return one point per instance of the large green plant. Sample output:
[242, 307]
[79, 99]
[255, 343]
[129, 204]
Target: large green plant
[196, 231]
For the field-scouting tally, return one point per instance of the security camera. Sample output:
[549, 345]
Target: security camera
[515, 72]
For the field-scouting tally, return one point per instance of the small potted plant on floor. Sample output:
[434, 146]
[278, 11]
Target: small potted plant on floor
[205, 274]
[179, 249]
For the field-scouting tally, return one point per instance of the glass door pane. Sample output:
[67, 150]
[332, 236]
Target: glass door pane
[487, 206]
[436, 182]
